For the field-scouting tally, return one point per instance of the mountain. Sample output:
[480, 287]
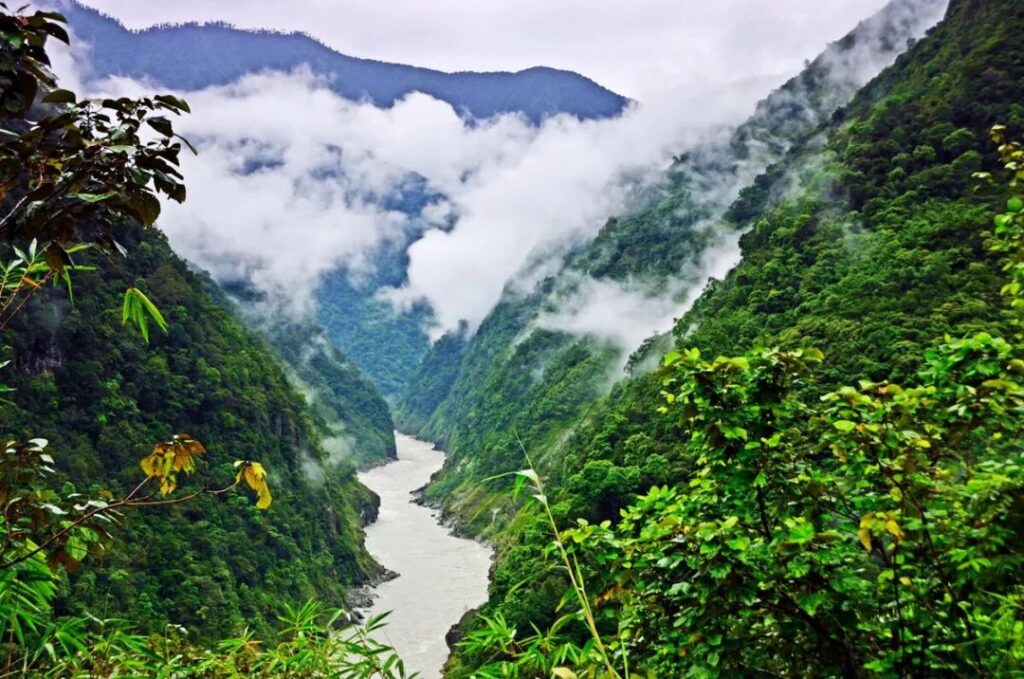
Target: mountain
[193, 56]
[384, 345]
[861, 231]
[521, 376]
[103, 398]
[352, 416]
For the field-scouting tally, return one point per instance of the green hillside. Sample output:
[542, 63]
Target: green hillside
[102, 397]
[815, 472]
[866, 240]
[519, 380]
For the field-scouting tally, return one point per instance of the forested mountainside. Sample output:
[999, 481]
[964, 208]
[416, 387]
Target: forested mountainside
[351, 413]
[387, 346]
[815, 471]
[865, 239]
[193, 56]
[103, 397]
[519, 378]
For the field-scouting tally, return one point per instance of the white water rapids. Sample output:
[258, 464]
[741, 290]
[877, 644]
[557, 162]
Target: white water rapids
[440, 576]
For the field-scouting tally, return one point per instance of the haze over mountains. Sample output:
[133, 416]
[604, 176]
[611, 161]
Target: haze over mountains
[362, 208]
[552, 349]
[390, 216]
[757, 359]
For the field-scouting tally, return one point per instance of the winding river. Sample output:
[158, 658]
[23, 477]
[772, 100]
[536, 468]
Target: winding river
[440, 576]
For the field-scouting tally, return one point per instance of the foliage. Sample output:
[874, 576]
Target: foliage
[37, 520]
[309, 641]
[82, 161]
[140, 310]
[386, 346]
[514, 374]
[76, 171]
[872, 531]
[69, 174]
[873, 267]
[350, 413]
[432, 380]
[26, 273]
[102, 397]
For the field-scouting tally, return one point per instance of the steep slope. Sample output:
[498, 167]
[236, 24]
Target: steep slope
[386, 346]
[193, 56]
[103, 398]
[867, 242]
[352, 415]
[523, 377]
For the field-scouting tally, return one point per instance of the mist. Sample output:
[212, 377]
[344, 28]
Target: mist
[625, 313]
[292, 182]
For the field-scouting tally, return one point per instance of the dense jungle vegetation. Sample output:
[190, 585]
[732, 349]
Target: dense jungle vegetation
[496, 388]
[864, 240]
[100, 396]
[822, 477]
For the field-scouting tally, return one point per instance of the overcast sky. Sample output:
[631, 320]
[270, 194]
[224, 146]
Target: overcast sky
[632, 46]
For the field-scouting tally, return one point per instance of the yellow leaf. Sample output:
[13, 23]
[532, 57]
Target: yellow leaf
[864, 532]
[894, 528]
[150, 464]
[250, 477]
[181, 461]
[167, 485]
[255, 477]
[864, 535]
[563, 673]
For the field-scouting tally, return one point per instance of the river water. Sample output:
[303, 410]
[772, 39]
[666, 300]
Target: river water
[440, 576]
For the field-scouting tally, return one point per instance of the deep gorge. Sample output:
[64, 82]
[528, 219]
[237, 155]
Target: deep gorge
[810, 466]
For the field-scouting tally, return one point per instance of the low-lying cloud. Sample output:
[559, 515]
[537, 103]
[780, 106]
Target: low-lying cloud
[293, 181]
[624, 314]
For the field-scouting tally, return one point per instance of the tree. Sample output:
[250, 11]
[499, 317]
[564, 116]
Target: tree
[74, 171]
[870, 532]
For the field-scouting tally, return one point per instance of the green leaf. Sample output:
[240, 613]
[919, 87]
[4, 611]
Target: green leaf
[60, 97]
[92, 197]
[145, 207]
[173, 102]
[844, 426]
[162, 125]
[139, 309]
[801, 533]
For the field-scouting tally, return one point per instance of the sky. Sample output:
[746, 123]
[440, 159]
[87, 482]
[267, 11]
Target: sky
[634, 47]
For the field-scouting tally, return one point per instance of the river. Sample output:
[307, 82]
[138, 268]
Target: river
[440, 576]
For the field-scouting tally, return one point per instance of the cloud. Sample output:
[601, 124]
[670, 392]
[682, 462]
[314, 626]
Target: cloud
[293, 181]
[551, 187]
[625, 313]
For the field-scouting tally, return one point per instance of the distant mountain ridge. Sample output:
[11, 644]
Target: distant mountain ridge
[193, 56]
